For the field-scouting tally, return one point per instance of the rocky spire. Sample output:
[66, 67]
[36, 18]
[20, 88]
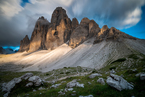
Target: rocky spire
[38, 35]
[60, 29]
[24, 44]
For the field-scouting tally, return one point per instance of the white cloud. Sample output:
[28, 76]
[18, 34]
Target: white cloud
[10, 8]
[132, 18]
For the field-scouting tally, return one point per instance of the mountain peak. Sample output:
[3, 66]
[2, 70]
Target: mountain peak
[50, 35]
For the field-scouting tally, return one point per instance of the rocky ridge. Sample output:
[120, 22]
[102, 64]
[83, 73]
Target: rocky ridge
[50, 35]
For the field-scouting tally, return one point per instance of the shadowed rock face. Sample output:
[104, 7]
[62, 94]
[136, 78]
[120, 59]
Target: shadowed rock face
[111, 34]
[24, 44]
[38, 35]
[80, 34]
[59, 30]
[1, 50]
[75, 23]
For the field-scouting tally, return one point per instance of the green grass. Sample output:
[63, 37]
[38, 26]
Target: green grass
[123, 66]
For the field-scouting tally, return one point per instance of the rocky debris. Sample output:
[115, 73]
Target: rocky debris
[38, 35]
[36, 80]
[118, 82]
[142, 76]
[89, 83]
[138, 74]
[94, 75]
[59, 30]
[74, 83]
[87, 96]
[112, 71]
[28, 77]
[55, 85]
[24, 44]
[41, 88]
[29, 84]
[101, 80]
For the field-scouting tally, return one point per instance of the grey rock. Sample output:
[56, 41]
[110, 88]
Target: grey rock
[74, 83]
[101, 80]
[112, 71]
[41, 88]
[29, 84]
[36, 80]
[94, 75]
[26, 76]
[118, 82]
[55, 85]
[87, 96]
[70, 89]
[142, 76]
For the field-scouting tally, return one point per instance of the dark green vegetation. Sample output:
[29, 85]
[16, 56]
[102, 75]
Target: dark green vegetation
[128, 67]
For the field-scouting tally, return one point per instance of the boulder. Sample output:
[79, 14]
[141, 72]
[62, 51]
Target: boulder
[55, 85]
[118, 82]
[142, 76]
[87, 96]
[101, 80]
[26, 76]
[36, 80]
[38, 35]
[59, 30]
[74, 83]
[29, 84]
[24, 44]
[94, 75]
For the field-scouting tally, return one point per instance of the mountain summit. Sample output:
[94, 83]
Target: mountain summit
[50, 35]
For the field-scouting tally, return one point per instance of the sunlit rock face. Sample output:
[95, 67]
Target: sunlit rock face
[24, 44]
[59, 30]
[38, 35]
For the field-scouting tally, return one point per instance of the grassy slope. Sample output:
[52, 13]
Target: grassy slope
[121, 66]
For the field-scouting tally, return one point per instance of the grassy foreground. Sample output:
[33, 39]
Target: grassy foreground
[128, 67]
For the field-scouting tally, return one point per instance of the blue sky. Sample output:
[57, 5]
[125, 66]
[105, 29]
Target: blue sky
[18, 17]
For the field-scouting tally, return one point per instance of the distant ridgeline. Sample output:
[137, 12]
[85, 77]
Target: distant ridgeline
[50, 35]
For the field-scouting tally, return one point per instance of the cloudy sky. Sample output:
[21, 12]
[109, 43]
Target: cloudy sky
[18, 17]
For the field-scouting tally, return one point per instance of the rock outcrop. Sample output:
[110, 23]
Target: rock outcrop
[38, 36]
[29, 79]
[80, 34]
[111, 34]
[59, 30]
[94, 75]
[1, 50]
[118, 82]
[24, 44]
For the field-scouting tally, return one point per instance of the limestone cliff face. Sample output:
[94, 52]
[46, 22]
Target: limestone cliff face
[24, 44]
[86, 29]
[111, 34]
[38, 35]
[59, 30]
